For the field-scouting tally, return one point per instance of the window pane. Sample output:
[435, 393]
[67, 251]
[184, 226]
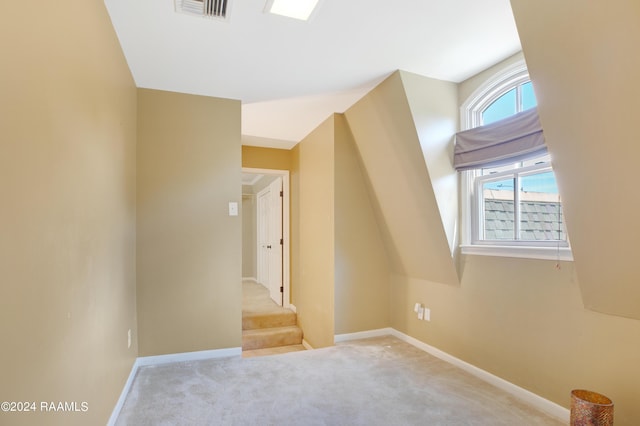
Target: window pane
[540, 209]
[503, 107]
[528, 96]
[498, 210]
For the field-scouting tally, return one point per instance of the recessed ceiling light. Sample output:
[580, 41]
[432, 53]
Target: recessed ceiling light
[297, 9]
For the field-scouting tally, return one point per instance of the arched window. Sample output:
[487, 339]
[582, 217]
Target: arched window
[512, 209]
[518, 99]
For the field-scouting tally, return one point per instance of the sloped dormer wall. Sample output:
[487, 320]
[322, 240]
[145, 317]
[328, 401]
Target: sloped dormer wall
[417, 215]
[581, 58]
[434, 108]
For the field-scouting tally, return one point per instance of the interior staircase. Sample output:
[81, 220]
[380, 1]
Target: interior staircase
[267, 328]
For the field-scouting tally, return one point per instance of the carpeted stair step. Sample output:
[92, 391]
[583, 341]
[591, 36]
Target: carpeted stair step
[271, 337]
[255, 320]
[273, 351]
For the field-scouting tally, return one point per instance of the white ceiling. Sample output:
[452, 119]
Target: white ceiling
[291, 75]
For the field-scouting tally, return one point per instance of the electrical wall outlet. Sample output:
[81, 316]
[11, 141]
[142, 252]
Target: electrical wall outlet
[423, 313]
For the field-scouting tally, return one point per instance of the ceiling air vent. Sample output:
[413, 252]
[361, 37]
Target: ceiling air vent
[217, 9]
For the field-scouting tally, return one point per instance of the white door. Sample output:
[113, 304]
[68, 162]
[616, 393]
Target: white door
[270, 240]
[276, 245]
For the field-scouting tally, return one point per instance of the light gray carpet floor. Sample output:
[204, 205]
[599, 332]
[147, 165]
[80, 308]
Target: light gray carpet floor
[380, 381]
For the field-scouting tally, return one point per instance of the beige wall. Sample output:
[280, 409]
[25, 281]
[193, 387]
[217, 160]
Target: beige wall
[587, 86]
[361, 262]
[340, 270]
[586, 79]
[67, 251]
[384, 131]
[266, 158]
[523, 321]
[189, 248]
[312, 228]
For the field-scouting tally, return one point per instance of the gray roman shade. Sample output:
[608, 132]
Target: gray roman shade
[506, 141]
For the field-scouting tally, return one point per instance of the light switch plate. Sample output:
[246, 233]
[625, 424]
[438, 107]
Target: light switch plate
[233, 209]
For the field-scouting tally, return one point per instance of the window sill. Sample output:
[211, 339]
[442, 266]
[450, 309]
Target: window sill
[544, 253]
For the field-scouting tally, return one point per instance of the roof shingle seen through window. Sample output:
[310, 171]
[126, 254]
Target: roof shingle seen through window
[538, 220]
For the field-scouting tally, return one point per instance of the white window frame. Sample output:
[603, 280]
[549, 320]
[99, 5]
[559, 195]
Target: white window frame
[471, 116]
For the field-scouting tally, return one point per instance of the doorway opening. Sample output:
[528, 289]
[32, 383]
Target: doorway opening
[269, 320]
[265, 232]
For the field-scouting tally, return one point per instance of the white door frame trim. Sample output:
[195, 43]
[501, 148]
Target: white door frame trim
[286, 247]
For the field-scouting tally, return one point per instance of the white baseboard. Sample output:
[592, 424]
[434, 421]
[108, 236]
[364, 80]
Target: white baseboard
[363, 334]
[188, 356]
[306, 345]
[255, 280]
[166, 359]
[531, 398]
[123, 395]
[293, 307]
